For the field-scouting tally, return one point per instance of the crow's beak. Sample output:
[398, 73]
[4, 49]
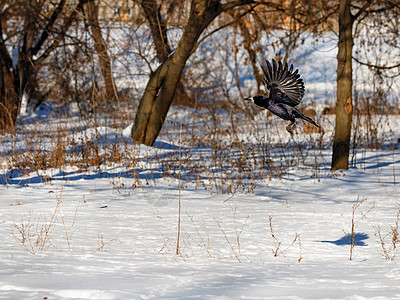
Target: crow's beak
[248, 99]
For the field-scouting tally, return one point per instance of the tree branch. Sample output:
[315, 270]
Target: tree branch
[62, 32]
[363, 9]
[233, 4]
[158, 28]
[375, 66]
[48, 28]
[219, 28]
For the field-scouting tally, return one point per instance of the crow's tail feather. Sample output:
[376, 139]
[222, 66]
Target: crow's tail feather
[300, 115]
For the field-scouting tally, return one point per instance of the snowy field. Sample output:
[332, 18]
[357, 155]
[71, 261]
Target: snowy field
[111, 232]
[261, 214]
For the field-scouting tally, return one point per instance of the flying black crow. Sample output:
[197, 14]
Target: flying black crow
[286, 89]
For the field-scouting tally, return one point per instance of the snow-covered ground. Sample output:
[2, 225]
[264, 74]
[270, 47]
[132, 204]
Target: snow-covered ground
[261, 214]
[111, 232]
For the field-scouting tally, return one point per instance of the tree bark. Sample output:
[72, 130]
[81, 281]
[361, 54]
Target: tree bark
[9, 101]
[101, 49]
[7, 97]
[158, 28]
[344, 105]
[162, 84]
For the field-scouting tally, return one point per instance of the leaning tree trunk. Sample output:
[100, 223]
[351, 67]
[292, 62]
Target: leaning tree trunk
[160, 89]
[158, 28]
[101, 49]
[344, 106]
[160, 92]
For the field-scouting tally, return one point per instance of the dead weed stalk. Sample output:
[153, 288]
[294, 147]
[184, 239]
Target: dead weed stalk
[278, 250]
[36, 236]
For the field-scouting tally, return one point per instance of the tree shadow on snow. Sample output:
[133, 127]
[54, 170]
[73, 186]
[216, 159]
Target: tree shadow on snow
[19, 178]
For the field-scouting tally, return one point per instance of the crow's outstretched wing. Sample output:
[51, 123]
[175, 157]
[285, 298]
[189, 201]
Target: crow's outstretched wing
[284, 85]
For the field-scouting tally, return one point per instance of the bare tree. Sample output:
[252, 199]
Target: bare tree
[344, 104]
[101, 49]
[37, 36]
[249, 39]
[162, 84]
[158, 28]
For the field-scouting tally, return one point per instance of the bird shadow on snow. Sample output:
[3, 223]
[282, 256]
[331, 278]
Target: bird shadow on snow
[359, 239]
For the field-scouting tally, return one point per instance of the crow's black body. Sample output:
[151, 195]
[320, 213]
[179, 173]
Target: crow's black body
[286, 89]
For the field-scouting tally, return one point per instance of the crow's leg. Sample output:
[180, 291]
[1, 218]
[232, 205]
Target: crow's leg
[291, 126]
